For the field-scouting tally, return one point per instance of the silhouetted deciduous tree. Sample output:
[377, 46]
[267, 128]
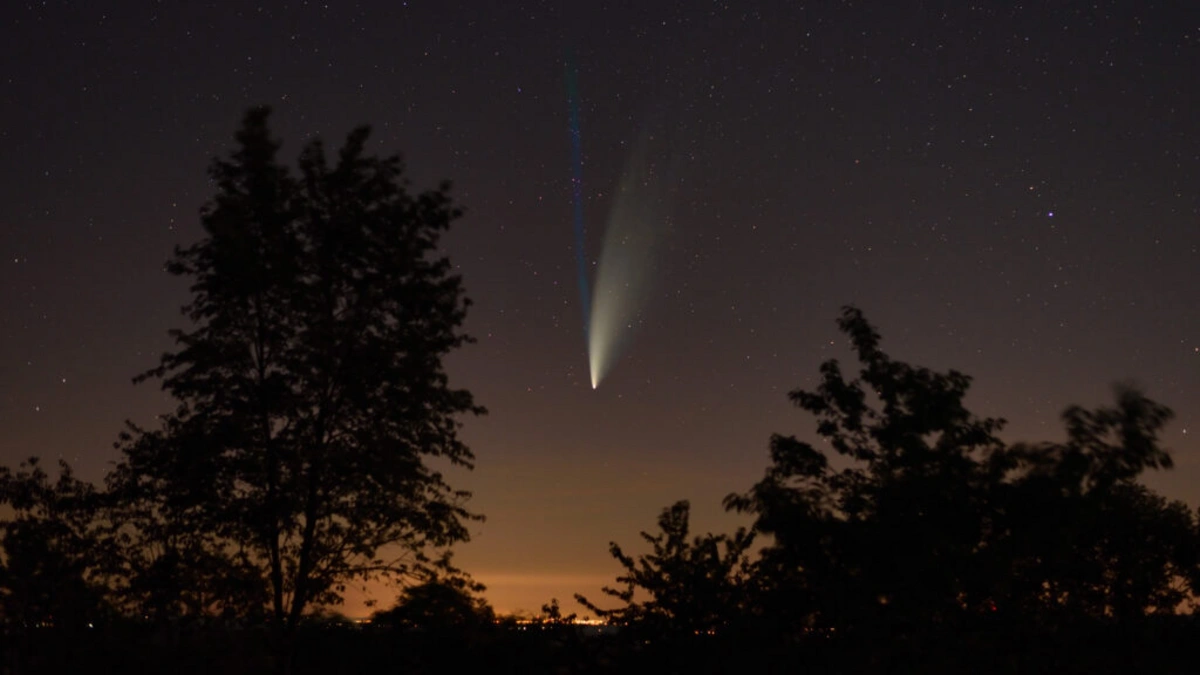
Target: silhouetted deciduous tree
[1083, 538]
[552, 615]
[687, 585]
[171, 569]
[310, 386]
[896, 532]
[54, 569]
[444, 605]
[930, 523]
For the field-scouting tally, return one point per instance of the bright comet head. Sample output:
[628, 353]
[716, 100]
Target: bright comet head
[636, 225]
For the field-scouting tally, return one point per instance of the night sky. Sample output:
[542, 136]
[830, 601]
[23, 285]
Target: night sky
[1011, 191]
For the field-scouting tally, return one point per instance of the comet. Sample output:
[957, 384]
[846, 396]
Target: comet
[636, 226]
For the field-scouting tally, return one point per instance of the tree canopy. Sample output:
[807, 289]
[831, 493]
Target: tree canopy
[312, 402]
[687, 585]
[928, 520]
[908, 519]
[54, 571]
[446, 605]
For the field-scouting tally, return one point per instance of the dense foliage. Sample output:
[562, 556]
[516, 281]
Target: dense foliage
[912, 534]
[310, 387]
[312, 411]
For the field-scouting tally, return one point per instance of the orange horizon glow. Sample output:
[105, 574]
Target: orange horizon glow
[520, 594]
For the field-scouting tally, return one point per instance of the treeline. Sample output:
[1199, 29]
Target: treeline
[911, 539]
[310, 393]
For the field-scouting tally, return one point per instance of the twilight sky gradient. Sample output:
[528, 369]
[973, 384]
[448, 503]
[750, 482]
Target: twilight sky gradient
[1012, 191]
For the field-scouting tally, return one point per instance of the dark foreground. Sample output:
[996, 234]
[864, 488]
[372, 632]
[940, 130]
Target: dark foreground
[1157, 646]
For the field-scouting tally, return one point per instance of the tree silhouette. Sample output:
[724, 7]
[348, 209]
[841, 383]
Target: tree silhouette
[895, 532]
[930, 524]
[444, 605]
[53, 572]
[692, 585]
[171, 569]
[1082, 537]
[310, 385]
[552, 615]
